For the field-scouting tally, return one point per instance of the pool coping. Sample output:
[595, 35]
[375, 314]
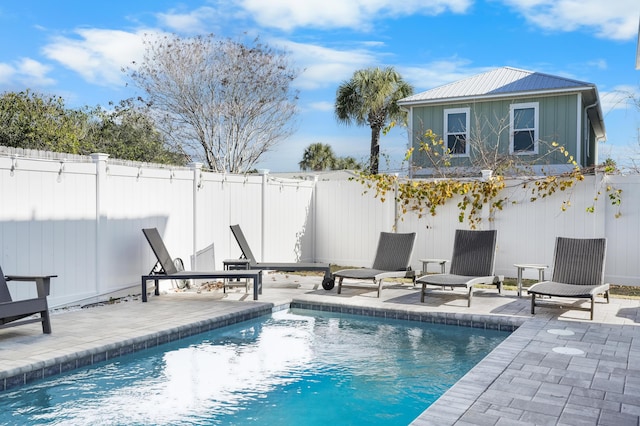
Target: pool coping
[27, 374]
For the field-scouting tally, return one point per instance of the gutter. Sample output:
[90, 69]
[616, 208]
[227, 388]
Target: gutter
[601, 119]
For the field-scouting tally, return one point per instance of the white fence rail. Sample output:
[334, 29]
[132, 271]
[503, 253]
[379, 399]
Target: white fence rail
[81, 218]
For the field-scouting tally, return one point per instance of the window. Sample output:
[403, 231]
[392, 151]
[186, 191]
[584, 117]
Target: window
[456, 130]
[524, 128]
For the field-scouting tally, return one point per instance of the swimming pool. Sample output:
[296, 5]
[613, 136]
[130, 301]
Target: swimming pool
[292, 367]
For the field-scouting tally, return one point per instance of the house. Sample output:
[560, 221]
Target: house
[511, 113]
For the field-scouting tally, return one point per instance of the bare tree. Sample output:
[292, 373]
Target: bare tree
[225, 102]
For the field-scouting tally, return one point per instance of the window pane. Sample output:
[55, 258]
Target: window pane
[523, 118]
[523, 141]
[457, 123]
[456, 144]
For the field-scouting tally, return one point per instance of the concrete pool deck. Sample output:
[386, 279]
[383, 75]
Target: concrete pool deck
[557, 367]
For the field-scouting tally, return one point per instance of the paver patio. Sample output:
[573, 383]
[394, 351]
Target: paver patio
[557, 367]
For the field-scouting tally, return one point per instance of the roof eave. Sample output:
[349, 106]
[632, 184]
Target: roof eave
[491, 96]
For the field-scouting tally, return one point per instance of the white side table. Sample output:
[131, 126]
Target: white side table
[522, 266]
[426, 262]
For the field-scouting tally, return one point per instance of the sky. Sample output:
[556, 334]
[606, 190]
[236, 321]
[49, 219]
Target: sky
[77, 50]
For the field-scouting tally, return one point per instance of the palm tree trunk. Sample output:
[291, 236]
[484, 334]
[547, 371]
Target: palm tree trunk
[375, 149]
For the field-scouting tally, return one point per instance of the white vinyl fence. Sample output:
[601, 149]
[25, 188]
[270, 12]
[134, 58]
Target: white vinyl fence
[81, 218]
[349, 221]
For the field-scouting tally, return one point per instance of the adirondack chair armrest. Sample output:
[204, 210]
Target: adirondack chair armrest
[43, 282]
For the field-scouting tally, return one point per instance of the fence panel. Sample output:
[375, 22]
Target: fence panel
[288, 232]
[623, 233]
[349, 222]
[45, 228]
[136, 198]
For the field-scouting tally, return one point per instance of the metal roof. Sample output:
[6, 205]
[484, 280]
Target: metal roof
[496, 83]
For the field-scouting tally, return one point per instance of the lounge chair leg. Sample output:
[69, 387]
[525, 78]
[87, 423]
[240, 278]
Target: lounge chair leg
[533, 304]
[593, 305]
[606, 294]
[470, 296]
[424, 287]
[144, 290]
[379, 288]
[339, 285]
[46, 322]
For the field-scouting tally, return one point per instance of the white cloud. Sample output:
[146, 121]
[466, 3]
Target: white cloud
[357, 14]
[430, 75]
[598, 63]
[34, 73]
[6, 73]
[323, 66]
[194, 22]
[612, 19]
[28, 72]
[98, 55]
[620, 98]
[322, 106]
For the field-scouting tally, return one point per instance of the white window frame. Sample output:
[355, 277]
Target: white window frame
[467, 112]
[536, 127]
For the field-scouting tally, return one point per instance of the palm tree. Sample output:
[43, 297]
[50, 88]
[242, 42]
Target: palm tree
[317, 157]
[347, 163]
[370, 97]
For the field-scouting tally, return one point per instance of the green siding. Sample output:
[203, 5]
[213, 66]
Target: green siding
[557, 123]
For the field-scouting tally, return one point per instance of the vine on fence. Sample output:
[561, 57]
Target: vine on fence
[422, 196]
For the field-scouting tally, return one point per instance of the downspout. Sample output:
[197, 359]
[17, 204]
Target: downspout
[587, 108]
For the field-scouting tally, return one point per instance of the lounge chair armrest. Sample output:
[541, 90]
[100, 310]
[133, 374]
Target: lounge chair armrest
[488, 280]
[42, 282]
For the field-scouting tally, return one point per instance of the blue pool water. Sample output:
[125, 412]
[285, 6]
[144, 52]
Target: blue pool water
[291, 368]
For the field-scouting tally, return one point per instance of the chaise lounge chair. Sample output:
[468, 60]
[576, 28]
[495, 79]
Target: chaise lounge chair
[472, 263]
[19, 312]
[165, 268]
[327, 282]
[578, 272]
[391, 261]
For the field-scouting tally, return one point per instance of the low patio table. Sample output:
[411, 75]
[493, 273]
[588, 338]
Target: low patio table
[522, 266]
[234, 265]
[426, 262]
